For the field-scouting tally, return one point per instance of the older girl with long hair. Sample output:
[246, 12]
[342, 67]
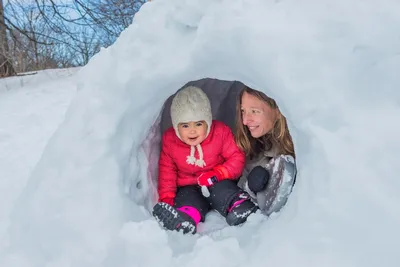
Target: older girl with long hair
[262, 133]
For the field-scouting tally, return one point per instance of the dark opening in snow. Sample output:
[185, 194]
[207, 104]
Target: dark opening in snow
[223, 97]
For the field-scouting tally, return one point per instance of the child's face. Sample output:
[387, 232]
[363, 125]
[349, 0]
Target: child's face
[193, 133]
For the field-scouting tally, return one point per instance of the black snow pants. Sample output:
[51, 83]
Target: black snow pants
[222, 195]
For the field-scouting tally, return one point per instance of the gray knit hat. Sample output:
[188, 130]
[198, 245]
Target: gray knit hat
[191, 104]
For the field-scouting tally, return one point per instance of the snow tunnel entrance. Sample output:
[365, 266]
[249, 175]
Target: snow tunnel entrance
[223, 96]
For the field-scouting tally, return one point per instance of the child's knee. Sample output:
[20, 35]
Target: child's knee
[223, 194]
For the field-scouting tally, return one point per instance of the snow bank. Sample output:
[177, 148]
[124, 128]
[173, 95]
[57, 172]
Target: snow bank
[31, 109]
[333, 69]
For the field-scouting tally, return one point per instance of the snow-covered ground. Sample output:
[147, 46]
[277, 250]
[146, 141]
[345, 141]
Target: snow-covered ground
[31, 109]
[331, 65]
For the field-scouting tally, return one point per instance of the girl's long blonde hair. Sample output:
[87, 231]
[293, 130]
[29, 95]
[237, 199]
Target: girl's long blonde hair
[278, 136]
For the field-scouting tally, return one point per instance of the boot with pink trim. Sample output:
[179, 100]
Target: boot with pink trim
[183, 219]
[240, 209]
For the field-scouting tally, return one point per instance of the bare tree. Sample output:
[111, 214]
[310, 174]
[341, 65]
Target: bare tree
[6, 66]
[63, 33]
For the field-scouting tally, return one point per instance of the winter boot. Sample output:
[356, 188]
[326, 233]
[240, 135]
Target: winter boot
[241, 208]
[172, 219]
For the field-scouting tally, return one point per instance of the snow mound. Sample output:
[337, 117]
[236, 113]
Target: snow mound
[333, 69]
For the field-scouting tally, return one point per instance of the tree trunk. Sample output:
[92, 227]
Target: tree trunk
[6, 66]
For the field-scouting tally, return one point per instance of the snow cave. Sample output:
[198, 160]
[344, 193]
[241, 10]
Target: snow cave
[87, 200]
[223, 96]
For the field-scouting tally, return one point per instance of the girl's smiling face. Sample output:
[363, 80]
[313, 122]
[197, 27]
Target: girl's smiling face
[257, 115]
[193, 133]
